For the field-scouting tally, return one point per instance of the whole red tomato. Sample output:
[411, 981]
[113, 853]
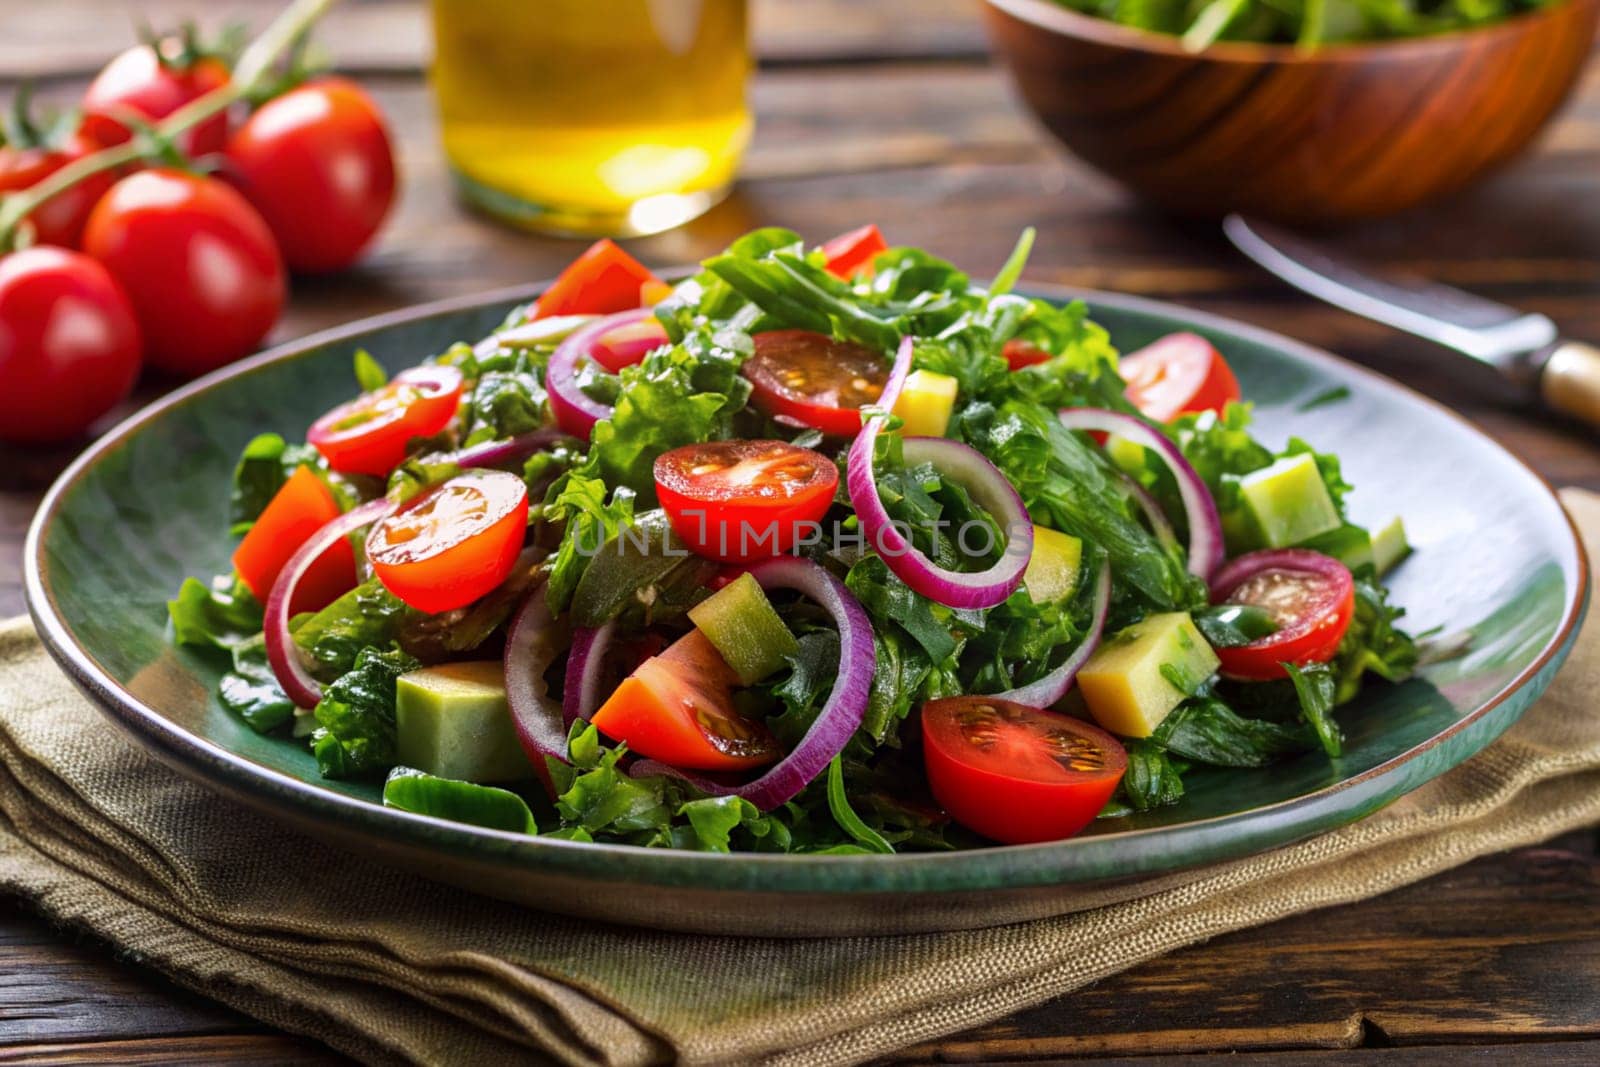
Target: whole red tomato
[316, 162]
[152, 87]
[198, 263]
[69, 345]
[59, 220]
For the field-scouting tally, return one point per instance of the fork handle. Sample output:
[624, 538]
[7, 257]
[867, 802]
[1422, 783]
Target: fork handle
[1569, 380]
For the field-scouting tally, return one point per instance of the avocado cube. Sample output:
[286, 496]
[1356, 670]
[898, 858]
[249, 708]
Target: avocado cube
[1139, 675]
[1289, 501]
[742, 625]
[453, 721]
[1389, 546]
[926, 401]
[1052, 572]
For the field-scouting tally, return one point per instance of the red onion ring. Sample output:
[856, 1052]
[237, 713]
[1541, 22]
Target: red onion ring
[1053, 686]
[511, 450]
[1205, 526]
[581, 696]
[532, 644]
[1159, 524]
[840, 716]
[282, 653]
[575, 411]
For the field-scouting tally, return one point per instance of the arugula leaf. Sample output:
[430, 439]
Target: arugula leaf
[1152, 779]
[845, 816]
[355, 735]
[600, 798]
[1373, 643]
[367, 616]
[1015, 262]
[1314, 686]
[812, 671]
[1206, 730]
[263, 467]
[467, 802]
[1234, 625]
[220, 616]
[251, 689]
[579, 500]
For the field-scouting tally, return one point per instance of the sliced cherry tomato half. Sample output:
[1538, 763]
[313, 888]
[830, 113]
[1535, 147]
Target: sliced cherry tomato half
[1020, 353]
[602, 281]
[301, 507]
[627, 345]
[1310, 596]
[814, 379]
[1014, 773]
[454, 543]
[369, 434]
[744, 500]
[850, 253]
[1180, 373]
[678, 708]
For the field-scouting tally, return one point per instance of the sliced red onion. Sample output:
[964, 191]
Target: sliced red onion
[1053, 686]
[1205, 526]
[282, 653]
[839, 718]
[989, 488]
[576, 412]
[581, 696]
[533, 642]
[511, 450]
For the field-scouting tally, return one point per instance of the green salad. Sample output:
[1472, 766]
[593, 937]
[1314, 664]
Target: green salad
[822, 549]
[1304, 22]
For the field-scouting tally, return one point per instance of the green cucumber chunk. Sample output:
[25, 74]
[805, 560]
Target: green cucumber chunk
[1389, 546]
[452, 721]
[446, 798]
[1289, 501]
[741, 624]
[1348, 543]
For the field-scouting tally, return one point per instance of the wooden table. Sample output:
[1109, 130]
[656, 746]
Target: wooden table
[891, 112]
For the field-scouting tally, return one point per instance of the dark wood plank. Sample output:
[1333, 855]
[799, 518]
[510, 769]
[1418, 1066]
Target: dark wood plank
[264, 1049]
[72, 38]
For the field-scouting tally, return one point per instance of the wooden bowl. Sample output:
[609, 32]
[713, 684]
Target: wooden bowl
[1339, 133]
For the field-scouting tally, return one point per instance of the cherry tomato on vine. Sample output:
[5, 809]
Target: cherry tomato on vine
[1014, 773]
[301, 507]
[152, 86]
[678, 708]
[813, 379]
[317, 163]
[744, 500]
[454, 543]
[1309, 595]
[59, 220]
[368, 435]
[197, 261]
[69, 344]
[1180, 373]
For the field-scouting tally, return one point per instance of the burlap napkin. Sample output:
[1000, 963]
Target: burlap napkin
[389, 967]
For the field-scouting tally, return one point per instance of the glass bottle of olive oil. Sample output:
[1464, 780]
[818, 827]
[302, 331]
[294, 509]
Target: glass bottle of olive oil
[616, 117]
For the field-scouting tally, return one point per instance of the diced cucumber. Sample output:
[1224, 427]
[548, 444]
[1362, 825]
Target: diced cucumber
[1347, 543]
[925, 403]
[1389, 546]
[1052, 572]
[452, 721]
[1125, 455]
[1289, 501]
[741, 624]
[1139, 675]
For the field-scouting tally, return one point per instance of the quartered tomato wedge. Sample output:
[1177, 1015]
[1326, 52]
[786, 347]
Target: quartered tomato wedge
[1180, 373]
[1020, 353]
[850, 253]
[1310, 596]
[369, 434]
[454, 543]
[1014, 773]
[814, 379]
[678, 708]
[744, 500]
[602, 281]
[627, 345]
[300, 508]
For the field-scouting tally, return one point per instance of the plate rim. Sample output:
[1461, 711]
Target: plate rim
[1011, 866]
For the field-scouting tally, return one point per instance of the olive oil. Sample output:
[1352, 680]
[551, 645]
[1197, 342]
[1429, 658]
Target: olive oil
[592, 116]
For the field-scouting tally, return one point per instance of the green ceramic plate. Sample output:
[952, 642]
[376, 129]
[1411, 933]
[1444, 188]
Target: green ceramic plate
[1496, 558]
